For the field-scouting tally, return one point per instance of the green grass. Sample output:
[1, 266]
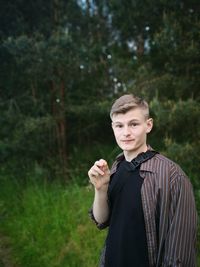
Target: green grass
[48, 225]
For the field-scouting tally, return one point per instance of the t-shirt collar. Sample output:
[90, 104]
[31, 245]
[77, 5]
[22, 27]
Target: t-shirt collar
[145, 166]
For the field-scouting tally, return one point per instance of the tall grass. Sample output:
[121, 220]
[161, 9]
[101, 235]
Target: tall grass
[48, 225]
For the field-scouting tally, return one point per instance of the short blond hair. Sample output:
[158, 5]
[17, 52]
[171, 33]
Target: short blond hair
[128, 102]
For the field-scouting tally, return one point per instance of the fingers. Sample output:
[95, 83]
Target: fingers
[95, 172]
[99, 169]
[101, 163]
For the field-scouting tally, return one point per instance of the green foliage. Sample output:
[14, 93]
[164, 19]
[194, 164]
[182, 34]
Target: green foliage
[177, 120]
[62, 64]
[186, 155]
[48, 225]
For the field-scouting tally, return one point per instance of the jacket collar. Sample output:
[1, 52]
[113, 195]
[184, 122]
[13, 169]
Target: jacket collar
[145, 166]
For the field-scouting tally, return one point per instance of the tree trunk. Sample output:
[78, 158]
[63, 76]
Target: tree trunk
[140, 46]
[63, 126]
[56, 13]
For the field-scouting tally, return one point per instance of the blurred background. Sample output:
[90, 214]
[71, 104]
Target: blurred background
[62, 65]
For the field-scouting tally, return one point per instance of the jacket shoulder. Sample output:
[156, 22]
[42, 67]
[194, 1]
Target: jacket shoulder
[163, 164]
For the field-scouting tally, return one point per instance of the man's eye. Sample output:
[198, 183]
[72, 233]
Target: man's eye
[134, 124]
[118, 126]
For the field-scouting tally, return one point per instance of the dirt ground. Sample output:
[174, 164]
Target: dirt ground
[5, 253]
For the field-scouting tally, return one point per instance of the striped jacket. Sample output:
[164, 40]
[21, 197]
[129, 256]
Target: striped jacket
[169, 212]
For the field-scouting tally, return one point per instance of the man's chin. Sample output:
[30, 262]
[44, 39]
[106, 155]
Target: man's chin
[128, 149]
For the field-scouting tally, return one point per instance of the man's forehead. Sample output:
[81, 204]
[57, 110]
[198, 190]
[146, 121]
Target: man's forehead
[132, 115]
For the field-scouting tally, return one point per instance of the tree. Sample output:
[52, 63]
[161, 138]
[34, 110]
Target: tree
[64, 61]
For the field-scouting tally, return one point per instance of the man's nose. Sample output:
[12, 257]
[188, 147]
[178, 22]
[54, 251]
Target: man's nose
[126, 130]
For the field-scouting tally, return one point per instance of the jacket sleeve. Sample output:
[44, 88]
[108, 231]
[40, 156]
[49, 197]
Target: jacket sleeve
[100, 226]
[180, 243]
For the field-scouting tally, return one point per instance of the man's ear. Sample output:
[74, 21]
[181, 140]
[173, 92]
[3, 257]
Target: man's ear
[149, 125]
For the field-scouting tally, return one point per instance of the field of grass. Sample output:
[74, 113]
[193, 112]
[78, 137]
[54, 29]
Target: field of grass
[47, 225]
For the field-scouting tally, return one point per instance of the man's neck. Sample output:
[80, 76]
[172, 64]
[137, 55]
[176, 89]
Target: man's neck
[130, 155]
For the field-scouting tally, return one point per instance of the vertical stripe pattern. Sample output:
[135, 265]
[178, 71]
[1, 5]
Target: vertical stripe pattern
[166, 186]
[169, 212]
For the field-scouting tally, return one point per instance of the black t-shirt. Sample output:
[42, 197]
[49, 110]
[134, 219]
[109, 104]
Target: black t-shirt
[126, 244]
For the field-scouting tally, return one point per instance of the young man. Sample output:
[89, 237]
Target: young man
[146, 199]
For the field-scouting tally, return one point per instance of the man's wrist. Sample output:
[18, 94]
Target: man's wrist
[102, 190]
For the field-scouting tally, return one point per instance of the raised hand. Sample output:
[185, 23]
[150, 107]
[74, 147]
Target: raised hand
[99, 175]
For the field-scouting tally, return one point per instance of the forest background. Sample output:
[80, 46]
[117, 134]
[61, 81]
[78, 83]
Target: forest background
[62, 65]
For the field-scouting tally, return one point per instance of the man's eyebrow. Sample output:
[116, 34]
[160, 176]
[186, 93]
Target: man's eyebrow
[119, 122]
[133, 120]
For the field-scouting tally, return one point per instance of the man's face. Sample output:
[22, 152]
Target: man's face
[130, 130]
